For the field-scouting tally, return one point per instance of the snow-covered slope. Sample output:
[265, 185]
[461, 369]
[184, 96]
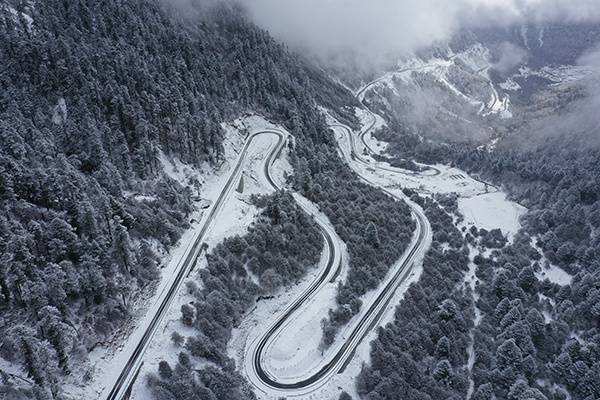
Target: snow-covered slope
[447, 89]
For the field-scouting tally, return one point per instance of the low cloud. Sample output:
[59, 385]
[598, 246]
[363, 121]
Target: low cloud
[375, 29]
[573, 11]
[372, 29]
[579, 122]
[507, 57]
[591, 59]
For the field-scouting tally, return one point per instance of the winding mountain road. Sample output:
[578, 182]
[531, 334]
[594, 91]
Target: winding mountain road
[256, 368]
[372, 311]
[121, 387]
[338, 357]
[371, 126]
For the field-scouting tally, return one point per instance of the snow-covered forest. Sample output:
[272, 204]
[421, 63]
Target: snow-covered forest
[103, 104]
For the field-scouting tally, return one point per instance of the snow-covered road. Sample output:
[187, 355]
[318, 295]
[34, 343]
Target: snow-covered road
[310, 376]
[283, 360]
[298, 382]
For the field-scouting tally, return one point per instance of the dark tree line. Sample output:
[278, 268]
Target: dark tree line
[421, 354]
[279, 248]
[376, 228]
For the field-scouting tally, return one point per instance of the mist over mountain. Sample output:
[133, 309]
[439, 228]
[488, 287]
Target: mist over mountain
[342, 30]
[576, 122]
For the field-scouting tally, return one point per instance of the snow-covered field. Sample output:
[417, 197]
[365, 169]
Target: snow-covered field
[554, 274]
[491, 211]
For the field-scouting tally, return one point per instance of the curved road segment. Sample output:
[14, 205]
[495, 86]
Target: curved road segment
[363, 134]
[336, 362]
[257, 372]
[122, 386]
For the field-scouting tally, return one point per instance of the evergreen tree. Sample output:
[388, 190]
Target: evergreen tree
[372, 236]
[122, 251]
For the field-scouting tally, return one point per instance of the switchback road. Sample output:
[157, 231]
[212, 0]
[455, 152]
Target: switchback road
[335, 361]
[128, 372]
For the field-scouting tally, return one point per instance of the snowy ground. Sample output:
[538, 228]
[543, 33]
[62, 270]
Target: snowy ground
[553, 273]
[18, 15]
[491, 211]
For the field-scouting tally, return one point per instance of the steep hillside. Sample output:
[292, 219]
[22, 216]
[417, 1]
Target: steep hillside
[93, 95]
[481, 83]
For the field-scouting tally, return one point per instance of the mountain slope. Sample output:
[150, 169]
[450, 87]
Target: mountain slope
[93, 93]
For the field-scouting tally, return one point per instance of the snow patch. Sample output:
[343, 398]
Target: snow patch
[510, 85]
[544, 298]
[492, 211]
[477, 57]
[138, 196]
[16, 15]
[554, 274]
[59, 112]
[498, 105]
